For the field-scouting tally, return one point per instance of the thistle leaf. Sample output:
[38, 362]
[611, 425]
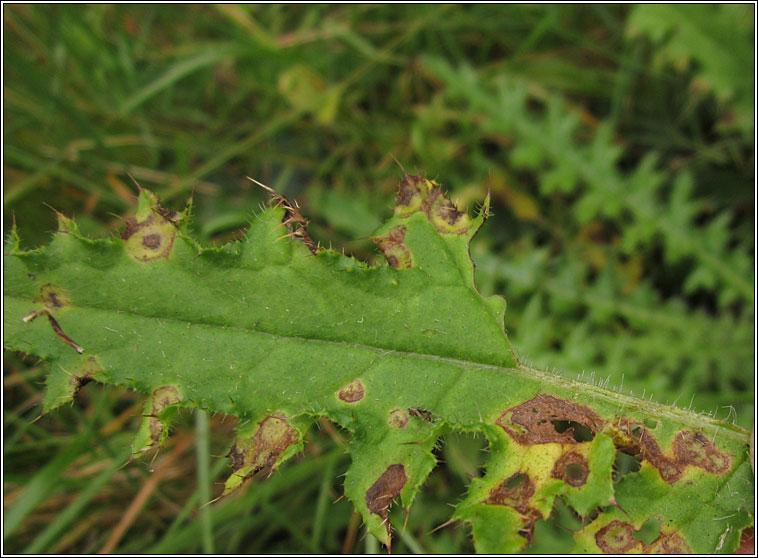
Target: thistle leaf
[278, 332]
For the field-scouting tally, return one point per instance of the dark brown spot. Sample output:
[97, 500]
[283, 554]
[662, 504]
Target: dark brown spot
[395, 252]
[423, 414]
[84, 375]
[515, 491]
[385, 489]
[533, 422]
[694, 448]
[637, 439]
[237, 456]
[397, 418]
[672, 543]
[274, 435]
[572, 468]
[409, 187]
[449, 212]
[297, 225]
[152, 241]
[616, 538]
[53, 297]
[352, 392]
[163, 397]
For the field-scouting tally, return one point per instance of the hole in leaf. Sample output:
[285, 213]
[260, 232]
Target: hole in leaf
[625, 464]
[579, 432]
[464, 455]
[649, 532]
[554, 535]
[650, 423]
[515, 480]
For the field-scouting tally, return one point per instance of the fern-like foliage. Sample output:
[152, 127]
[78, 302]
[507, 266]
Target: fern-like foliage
[278, 332]
[588, 171]
[717, 40]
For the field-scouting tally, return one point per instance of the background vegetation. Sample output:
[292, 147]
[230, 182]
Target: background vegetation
[617, 142]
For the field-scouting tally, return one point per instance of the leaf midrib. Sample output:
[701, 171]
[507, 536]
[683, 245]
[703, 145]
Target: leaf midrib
[620, 400]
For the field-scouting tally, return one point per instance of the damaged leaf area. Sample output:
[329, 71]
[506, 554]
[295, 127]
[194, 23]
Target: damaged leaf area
[277, 332]
[272, 437]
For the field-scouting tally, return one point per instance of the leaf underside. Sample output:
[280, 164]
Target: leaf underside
[278, 332]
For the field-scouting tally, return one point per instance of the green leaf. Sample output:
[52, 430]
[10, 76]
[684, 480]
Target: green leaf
[277, 332]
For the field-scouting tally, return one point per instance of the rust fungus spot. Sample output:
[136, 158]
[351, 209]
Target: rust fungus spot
[163, 397]
[616, 538]
[515, 491]
[274, 435]
[535, 421]
[386, 488]
[395, 252]
[352, 392]
[397, 419]
[297, 225]
[445, 217]
[53, 297]
[84, 375]
[572, 468]
[423, 414]
[150, 239]
[416, 193]
[671, 543]
[694, 448]
[411, 193]
[637, 440]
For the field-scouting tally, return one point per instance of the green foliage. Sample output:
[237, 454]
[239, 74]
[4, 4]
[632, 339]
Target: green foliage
[276, 332]
[195, 99]
[717, 39]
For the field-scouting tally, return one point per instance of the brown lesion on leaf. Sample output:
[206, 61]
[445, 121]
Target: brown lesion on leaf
[273, 437]
[635, 439]
[516, 492]
[572, 468]
[411, 193]
[386, 488]
[423, 414]
[162, 398]
[618, 537]
[397, 419]
[81, 376]
[671, 543]
[442, 213]
[53, 297]
[690, 449]
[351, 392]
[694, 448]
[296, 223]
[150, 239]
[536, 421]
[395, 252]
[417, 193]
